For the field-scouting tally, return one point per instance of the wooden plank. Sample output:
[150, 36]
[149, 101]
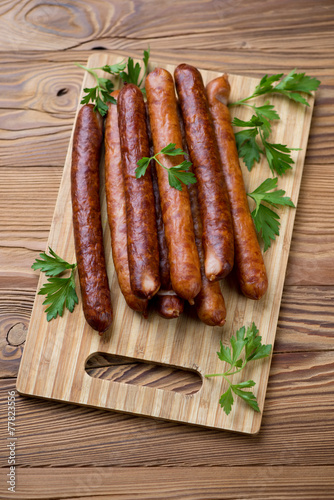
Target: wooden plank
[27, 201]
[186, 483]
[36, 122]
[25, 223]
[306, 320]
[53, 365]
[297, 428]
[296, 26]
[312, 249]
[305, 323]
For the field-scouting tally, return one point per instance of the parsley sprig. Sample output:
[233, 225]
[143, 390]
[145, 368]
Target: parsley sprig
[58, 291]
[278, 155]
[250, 342]
[100, 94]
[290, 86]
[265, 219]
[133, 71]
[176, 175]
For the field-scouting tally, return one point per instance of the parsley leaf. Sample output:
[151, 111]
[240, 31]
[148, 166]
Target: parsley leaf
[294, 83]
[51, 265]
[249, 342]
[265, 219]
[226, 401]
[113, 69]
[100, 94]
[255, 121]
[248, 148]
[266, 111]
[143, 164]
[145, 61]
[266, 223]
[176, 175]
[261, 193]
[58, 291]
[133, 71]
[278, 155]
[171, 150]
[262, 117]
[247, 396]
[291, 86]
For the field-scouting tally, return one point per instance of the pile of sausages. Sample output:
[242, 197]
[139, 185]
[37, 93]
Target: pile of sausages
[169, 245]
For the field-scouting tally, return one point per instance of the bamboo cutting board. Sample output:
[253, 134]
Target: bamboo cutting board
[53, 362]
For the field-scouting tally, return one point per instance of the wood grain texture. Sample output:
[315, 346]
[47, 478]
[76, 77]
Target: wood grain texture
[185, 483]
[305, 323]
[52, 363]
[245, 38]
[25, 225]
[215, 25]
[297, 428]
[37, 121]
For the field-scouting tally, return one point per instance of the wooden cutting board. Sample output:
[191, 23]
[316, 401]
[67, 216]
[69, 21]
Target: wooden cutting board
[53, 362]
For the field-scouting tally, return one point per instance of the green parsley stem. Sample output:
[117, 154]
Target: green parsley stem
[141, 81]
[237, 371]
[90, 70]
[156, 159]
[242, 101]
[263, 141]
[228, 373]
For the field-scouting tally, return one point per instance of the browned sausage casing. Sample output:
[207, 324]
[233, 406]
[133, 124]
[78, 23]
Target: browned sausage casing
[141, 225]
[88, 236]
[216, 218]
[164, 267]
[169, 306]
[210, 304]
[167, 303]
[116, 208]
[249, 261]
[175, 205]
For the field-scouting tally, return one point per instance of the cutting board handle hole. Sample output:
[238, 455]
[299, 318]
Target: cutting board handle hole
[137, 372]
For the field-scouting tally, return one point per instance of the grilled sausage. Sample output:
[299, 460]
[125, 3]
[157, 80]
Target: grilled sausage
[210, 304]
[175, 205]
[88, 236]
[164, 267]
[216, 218]
[248, 257]
[141, 225]
[116, 208]
[167, 303]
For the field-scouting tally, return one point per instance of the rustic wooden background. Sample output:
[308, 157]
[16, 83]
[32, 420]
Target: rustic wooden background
[72, 452]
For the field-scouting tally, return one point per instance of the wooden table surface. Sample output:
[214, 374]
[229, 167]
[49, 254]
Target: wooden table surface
[72, 452]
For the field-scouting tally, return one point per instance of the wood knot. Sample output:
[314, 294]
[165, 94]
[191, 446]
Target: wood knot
[99, 48]
[62, 92]
[16, 335]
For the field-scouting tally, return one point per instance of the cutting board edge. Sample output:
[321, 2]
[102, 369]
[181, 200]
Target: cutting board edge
[21, 391]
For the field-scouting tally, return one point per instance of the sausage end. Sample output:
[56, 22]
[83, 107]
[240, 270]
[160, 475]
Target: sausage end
[256, 290]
